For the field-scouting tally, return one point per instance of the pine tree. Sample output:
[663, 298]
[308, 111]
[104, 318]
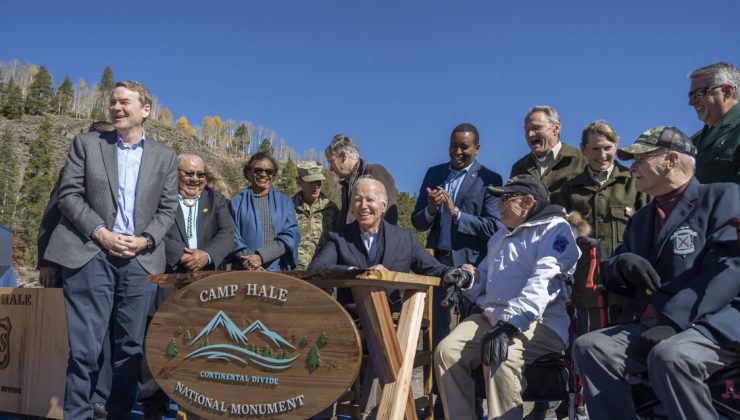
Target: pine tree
[39, 94]
[100, 110]
[9, 177]
[266, 146]
[314, 358]
[63, 99]
[330, 187]
[38, 181]
[286, 180]
[304, 342]
[267, 352]
[406, 203]
[323, 339]
[241, 139]
[13, 102]
[171, 349]
[106, 81]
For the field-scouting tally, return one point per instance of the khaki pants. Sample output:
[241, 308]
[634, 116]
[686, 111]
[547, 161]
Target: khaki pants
[459, 354]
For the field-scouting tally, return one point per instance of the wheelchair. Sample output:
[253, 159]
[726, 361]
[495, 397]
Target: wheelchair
[552, 377]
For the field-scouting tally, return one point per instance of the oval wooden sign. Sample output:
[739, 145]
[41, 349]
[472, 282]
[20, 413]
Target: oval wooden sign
[253, 344]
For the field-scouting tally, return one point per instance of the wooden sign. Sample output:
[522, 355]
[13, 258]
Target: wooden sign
[253, 344]
[33, 351]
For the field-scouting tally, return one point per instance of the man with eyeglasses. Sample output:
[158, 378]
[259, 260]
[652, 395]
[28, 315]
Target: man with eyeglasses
[551, 160]
[520, 302]
[200, 239]
[117, 197]
[714, 96]
[680, 267]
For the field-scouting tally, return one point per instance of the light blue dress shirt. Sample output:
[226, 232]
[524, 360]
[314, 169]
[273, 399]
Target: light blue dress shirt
[452, 186]
[191, 219]
[129, 162]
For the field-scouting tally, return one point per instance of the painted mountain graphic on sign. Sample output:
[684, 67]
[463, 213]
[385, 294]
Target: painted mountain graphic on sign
[222, 320]
[273, 336]
[237, 351]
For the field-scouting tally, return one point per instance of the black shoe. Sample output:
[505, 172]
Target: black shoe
[99, 412]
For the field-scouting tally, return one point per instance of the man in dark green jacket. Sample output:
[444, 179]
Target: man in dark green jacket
[553, 161]
[714, 96]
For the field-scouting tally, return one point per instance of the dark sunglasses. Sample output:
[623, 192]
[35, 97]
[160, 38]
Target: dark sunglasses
[268, 172]
[699, 93]
[191, 174]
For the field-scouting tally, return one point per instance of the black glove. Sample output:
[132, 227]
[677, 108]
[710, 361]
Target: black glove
[458, 277]
[632, 269]
[495, 344]
[648, 339]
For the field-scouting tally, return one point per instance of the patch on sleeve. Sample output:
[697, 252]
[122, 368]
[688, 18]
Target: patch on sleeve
[560, 243]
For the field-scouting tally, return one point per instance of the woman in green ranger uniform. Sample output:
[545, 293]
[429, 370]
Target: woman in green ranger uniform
[606, 196]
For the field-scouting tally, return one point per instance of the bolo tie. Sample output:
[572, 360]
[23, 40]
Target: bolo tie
[190, 203]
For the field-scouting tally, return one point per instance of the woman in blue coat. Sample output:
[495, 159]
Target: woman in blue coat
[266, 233]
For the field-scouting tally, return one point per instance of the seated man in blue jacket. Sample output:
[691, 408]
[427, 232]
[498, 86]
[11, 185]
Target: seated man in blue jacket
[680, 262]
[371, 242]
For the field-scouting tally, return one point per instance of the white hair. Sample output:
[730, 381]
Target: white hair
[369, 179]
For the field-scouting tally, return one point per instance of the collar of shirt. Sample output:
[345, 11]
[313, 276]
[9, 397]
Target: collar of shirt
[464, 170]
[140, 143]
[550, 156]
[602, 176]
[368, 238]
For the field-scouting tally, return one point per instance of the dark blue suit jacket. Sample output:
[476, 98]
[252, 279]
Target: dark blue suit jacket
[398, 250]
[696, 255]
[478, 211]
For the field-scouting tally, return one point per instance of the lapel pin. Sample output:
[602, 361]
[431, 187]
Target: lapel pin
[205, 210]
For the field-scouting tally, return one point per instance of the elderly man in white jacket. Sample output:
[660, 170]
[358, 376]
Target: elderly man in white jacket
[522, 301]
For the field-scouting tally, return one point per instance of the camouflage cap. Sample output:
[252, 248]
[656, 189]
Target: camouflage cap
[310, 171]
[656, 138]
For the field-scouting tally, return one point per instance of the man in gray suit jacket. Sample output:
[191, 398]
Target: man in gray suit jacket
[117, 197]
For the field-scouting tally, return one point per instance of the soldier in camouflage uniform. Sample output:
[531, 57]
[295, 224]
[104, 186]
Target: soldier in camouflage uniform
[606, 196]
[316, 214]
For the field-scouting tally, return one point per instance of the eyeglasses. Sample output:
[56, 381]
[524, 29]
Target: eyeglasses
[268, 172]
[642, 157]
[699, 93]
[191, 174]
[509, 196]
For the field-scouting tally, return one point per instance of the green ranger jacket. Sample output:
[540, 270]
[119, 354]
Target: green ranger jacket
[607, 209]
[719, 150]
[569, 163]
[315, 222]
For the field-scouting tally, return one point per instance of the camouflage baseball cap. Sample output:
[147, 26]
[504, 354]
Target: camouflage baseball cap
[310, 171]
[656, 138]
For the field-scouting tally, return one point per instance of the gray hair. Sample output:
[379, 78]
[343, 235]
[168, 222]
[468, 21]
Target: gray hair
[552, 115]
[183, 156]
[369, 179]
[722, 74]
[342, 143]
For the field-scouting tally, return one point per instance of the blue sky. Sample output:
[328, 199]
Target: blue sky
[396, 76]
